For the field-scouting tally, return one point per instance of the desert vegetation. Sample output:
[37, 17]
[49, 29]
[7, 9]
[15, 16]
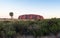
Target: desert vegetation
[46, 27]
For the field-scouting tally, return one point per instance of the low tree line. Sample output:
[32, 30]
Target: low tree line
[10, 29]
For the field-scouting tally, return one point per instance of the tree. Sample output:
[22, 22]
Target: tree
[11, 14]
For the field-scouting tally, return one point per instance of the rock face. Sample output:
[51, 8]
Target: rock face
[30, 17]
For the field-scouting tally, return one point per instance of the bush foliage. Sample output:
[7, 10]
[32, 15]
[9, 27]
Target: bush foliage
[35, 28]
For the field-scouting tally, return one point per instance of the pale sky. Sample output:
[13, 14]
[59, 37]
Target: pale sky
[46, 8]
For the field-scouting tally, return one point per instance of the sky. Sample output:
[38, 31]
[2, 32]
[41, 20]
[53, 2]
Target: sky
[46, 8]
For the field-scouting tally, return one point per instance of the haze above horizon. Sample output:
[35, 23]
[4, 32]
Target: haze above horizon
[46, 8]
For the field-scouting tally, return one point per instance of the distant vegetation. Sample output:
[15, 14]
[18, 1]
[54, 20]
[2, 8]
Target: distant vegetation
[35, 28]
